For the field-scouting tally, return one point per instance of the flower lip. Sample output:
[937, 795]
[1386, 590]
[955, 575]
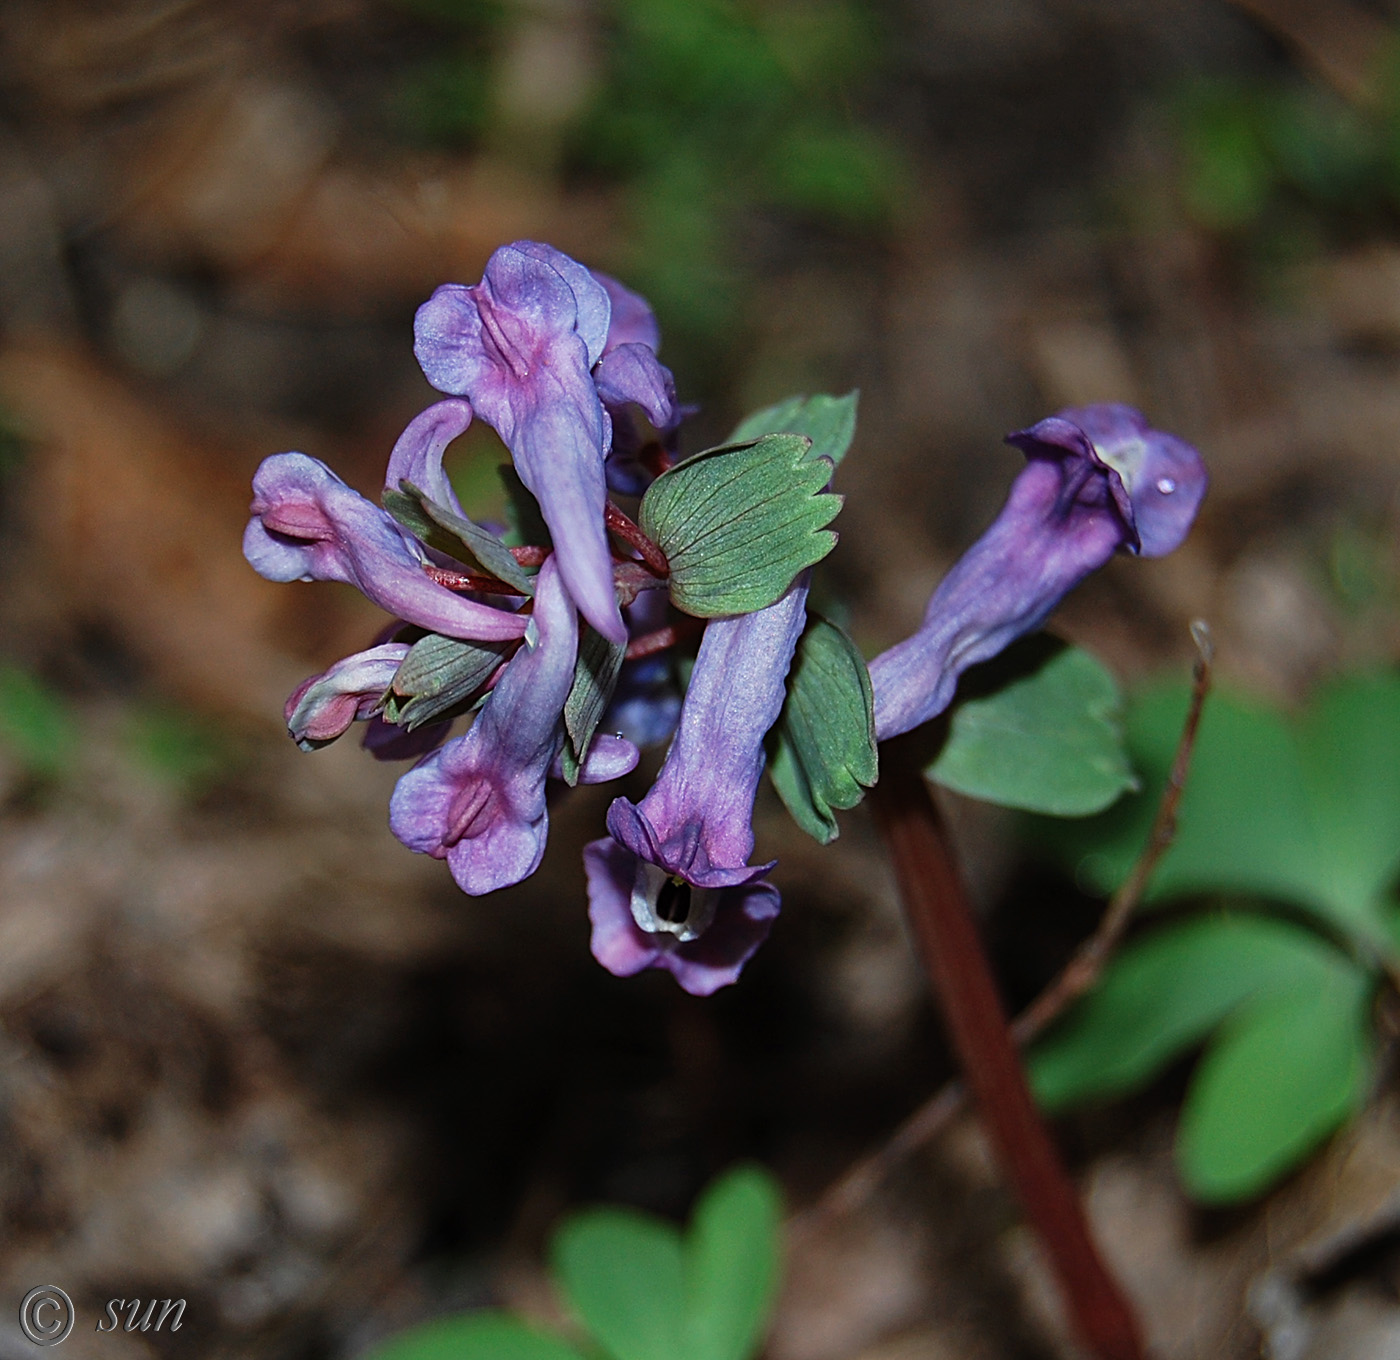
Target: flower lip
[663, 904]
[682, 855]
[1157, 481]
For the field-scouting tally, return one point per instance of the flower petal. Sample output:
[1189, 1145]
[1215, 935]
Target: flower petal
[417, 456]
[308, 525]
[520, 346]
[1067, 514]
[322, 708]
[479, 802]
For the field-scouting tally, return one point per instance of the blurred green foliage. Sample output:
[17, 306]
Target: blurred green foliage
[37, 728]
[1298, 820]
[1284, 164]
[183, 750]
[703, 113]
[641, 1288]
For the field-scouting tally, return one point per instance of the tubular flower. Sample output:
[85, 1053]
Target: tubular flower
[672, 888]
[322, 708]
[308, 525]
[1098, 481]
[417, 456]
[521, 346]
[479, 802]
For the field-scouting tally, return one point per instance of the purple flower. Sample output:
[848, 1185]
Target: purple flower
[322, 708]
[479, 802]
[417, 456]
[308, 525]
[1098, 481]
[520, 345]
[673, 887]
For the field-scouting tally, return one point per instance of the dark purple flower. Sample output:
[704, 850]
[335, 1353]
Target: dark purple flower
[1098, 481]
[388, 741]
[630, 319]
[520, 346]
[479, 802]
[308, 525]
[322, 708]
[673, 888]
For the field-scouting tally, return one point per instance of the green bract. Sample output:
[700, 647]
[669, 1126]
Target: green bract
[1039, 728]
[411, 508]
[822, 748]
[438, 674]
[739, 522]
[595, 675]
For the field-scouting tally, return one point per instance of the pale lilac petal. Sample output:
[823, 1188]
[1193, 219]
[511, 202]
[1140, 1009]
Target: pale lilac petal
[1067, 514]
[417, 457]
[308, 525]
[736, 692]
[632, 373]
[632, 321]
[609, 757]
[322, 708]
[479, 802]
[520, 346]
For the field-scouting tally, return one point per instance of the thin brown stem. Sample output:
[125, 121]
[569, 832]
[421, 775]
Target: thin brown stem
[861, 1181]
[528, 555]
[952, 955]
[631, 533]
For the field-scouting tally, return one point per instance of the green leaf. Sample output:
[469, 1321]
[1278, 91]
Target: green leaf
[1302, 812]
[474, 1336]
[624, 1273]
[35, 724]
[738, 523]
[438, 674]
[1164, 994]
[595, 677]
[731, 1258]
[1037, 728]
[1284, 1073]
[829, 422]
[484, 547]
[822, 753]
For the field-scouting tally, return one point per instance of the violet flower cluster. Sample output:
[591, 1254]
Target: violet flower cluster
[561, 652]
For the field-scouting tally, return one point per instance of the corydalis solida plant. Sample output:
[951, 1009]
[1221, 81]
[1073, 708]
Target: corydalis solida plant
[559, 647]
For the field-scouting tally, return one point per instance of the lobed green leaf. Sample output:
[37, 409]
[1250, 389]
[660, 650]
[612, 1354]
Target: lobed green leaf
[474, 1336]
[1038, 728]
[738, 523]
[731, 1259]
[1283, 1073]
[1166, 993]
[624, 1274]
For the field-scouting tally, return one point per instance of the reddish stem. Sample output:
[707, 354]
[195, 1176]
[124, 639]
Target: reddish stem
[630, 533]
[648, 644]
[468, 580]
[530, 556]
[957, 966]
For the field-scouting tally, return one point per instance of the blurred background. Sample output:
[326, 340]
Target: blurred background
[255, 1054]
